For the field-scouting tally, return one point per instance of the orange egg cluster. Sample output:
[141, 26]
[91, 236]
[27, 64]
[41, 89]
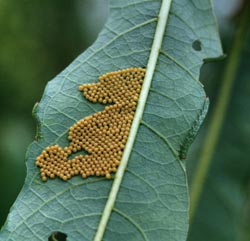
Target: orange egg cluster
[103, 135]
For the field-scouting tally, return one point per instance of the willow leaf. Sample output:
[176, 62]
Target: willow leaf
[148, 198]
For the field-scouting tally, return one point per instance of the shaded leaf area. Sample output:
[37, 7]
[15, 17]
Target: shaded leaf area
[223, 212]
[152, 203]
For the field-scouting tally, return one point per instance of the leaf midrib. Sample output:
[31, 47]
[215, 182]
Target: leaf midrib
[153, 58]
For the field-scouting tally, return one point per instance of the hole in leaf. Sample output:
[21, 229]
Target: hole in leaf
[197, 45]
[57, 236]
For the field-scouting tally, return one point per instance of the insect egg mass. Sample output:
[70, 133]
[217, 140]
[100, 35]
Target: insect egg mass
[103, 135]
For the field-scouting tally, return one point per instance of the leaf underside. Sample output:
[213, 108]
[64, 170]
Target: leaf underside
[152, 203]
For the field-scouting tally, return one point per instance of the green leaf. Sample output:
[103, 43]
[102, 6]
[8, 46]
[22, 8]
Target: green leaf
[148, 198]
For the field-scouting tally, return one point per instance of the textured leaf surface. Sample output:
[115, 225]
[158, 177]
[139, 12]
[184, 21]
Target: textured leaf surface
[152, 203]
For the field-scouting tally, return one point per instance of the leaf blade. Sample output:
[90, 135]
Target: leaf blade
[73, 207]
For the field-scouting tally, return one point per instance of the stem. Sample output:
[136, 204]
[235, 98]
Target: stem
[152, 61]
[218, 116]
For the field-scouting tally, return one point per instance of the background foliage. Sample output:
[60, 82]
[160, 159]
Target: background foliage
[39, 39]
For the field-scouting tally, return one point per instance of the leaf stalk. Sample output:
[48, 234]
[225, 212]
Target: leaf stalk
[152, 62]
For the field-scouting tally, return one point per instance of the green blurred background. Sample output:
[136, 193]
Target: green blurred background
[38, 39]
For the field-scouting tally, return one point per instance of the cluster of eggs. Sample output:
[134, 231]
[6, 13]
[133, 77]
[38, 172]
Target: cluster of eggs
[103, 135]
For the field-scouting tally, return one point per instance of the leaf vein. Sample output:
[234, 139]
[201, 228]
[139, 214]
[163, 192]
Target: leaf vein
[132, 222]
[174, 152]
[164, 53]
[56, 196]
[111, 41]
